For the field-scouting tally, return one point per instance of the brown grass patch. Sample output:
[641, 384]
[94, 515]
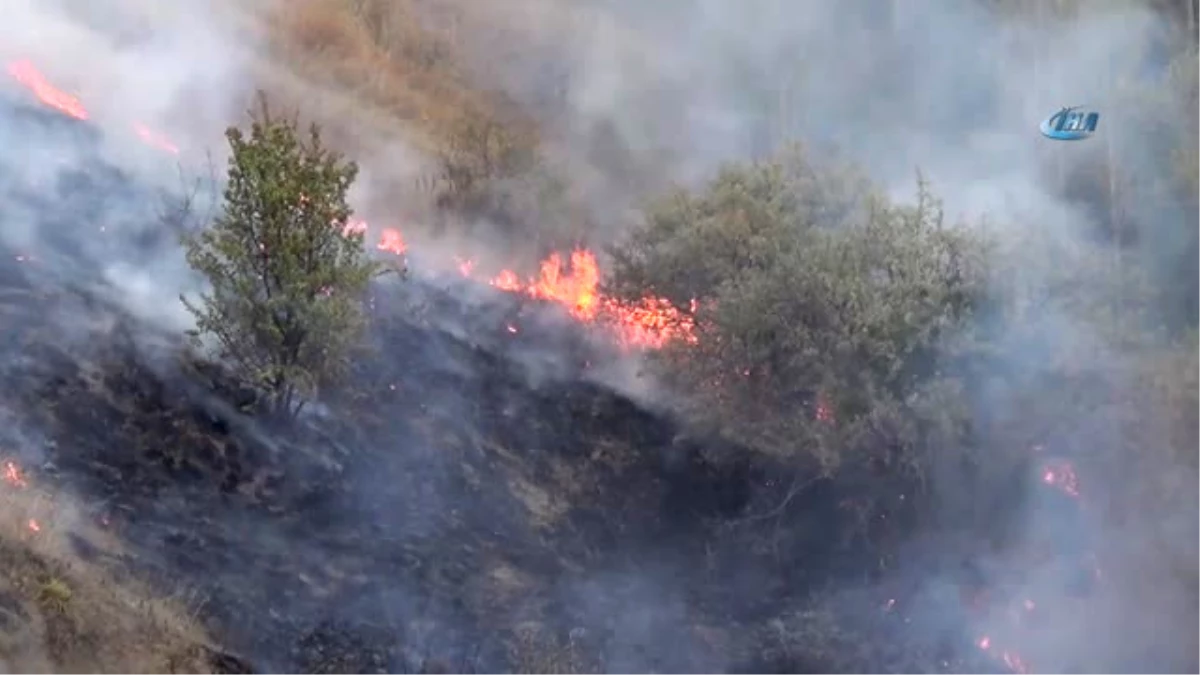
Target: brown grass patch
[383, 54]
[62, 611]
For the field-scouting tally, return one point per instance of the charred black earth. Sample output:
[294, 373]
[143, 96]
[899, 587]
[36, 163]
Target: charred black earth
[475, 501]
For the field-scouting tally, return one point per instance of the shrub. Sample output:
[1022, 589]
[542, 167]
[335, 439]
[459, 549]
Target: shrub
[286, 275]
[824, 312]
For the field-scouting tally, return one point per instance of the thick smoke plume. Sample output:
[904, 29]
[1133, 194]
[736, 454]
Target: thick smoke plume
[637, 95]
[154, 85]
[667, 91]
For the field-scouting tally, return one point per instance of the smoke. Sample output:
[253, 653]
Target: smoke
[639, 95]
[156, 84]
[646, 94]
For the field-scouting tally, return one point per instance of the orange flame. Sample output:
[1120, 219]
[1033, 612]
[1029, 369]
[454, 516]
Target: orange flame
[31, 78]
[649, 322]
[155, 139]
[507, 281]
[24, 72]
[14, 476]
[391, 241]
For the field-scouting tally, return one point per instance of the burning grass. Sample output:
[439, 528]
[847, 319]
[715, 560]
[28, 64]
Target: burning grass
[64, 606]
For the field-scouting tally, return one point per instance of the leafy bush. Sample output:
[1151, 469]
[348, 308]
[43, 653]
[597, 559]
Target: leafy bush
[286, 275]
[824, 312]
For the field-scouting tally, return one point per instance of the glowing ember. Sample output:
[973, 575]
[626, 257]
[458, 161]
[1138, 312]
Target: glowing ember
[1010, 658]
[511, 328]
[1061, 475]
[354, 226]
[648, 322]
[34, 526]
[824, 412]
[13, 475]
[24, 72]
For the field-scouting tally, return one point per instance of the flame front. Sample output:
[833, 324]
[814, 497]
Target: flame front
[24, 72]
[649, 322]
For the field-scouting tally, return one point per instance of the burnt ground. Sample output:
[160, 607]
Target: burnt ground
[473, 501]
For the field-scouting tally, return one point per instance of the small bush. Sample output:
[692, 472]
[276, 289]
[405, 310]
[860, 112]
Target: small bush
[286, 275]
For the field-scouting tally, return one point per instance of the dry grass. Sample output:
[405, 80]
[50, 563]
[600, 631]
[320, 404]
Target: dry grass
[384, 55]
[61, 611]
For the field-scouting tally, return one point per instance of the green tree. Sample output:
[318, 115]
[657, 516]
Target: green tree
[824, 312]
[287, 276]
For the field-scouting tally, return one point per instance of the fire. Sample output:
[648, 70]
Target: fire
[574, 283]
[24, 72]
[1010, 658]
[649, 322]
[576, 289]
[391, 241]
[155, 139]
[13, 475]
[824, 413]
[1061, 475]
[507, 281]
[354, 226]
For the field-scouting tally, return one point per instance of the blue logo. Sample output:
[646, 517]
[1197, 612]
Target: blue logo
[1070, 124]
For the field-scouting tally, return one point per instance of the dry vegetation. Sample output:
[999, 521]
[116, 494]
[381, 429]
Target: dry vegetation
[390, 55]
[64, 608]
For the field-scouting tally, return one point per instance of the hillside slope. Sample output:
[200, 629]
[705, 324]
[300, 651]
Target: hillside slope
[496, 489]
[474, 500]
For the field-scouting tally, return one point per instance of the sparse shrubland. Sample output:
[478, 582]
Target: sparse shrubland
[866, 376]
[873, 351]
